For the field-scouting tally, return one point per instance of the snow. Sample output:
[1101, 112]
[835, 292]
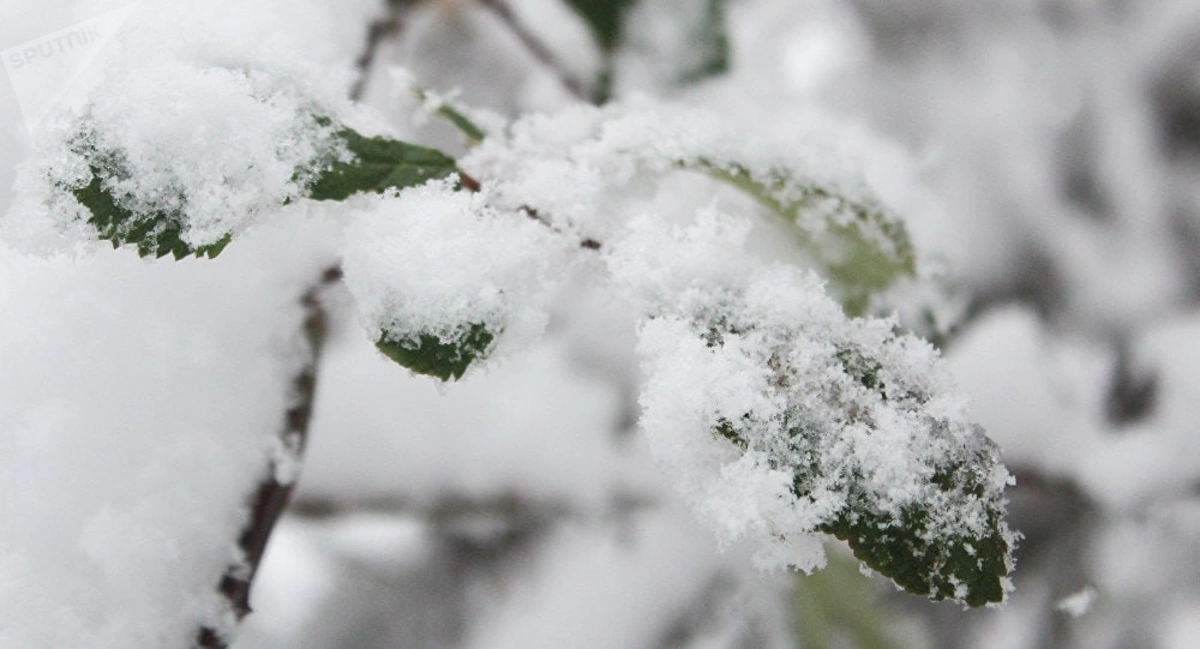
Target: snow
[435, 261]
[760, 348]
[187, 124]
[123, 499]
[1078, 603]
[1061, 382]
[568, 164]
[1039, 397]
[139, 402]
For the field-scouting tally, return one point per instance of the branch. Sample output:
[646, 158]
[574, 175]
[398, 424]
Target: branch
[275, 488]
[472, 185]
[538, 49]
[376, 32]
[451, 509]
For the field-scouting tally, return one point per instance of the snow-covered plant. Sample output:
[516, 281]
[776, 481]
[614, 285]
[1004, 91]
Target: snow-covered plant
[784, 407]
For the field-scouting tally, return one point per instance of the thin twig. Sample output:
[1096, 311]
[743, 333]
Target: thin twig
[538, 49]
[376, 32]
[472, 185]
[274, 489]
[451, 509]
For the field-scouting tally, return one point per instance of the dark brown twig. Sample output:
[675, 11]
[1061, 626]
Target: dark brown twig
[274, 490]
[470, 184]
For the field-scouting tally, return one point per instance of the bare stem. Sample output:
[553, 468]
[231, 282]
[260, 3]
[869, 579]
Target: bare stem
[450, 509]
[274, 490]
[376, 32]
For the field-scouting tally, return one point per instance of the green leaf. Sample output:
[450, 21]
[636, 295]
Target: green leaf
[431, 355]
[376, 165]
[861, 247]
[605, 19]
[907, 548]
[158, 235]
[726, 430]
[945, 538]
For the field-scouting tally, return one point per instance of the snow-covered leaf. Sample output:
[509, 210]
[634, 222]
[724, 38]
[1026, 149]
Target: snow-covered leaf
[861, 247]
[444, 359]
[177, 157]
[438, 274]
[783, 419]
[972, 567]
[577, 166]
[855, 415]
[154, 218]
[156, 234]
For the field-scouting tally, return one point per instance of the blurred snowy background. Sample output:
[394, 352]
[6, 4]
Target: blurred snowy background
[1054, 154]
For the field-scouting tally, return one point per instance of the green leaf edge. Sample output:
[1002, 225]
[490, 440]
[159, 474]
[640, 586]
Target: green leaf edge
[430, 355]
[378, 164]
[900, 548]
[157, 237]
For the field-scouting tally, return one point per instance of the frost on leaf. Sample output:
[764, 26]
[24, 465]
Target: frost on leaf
[159, 219]
[438, 275]
[783, 418]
